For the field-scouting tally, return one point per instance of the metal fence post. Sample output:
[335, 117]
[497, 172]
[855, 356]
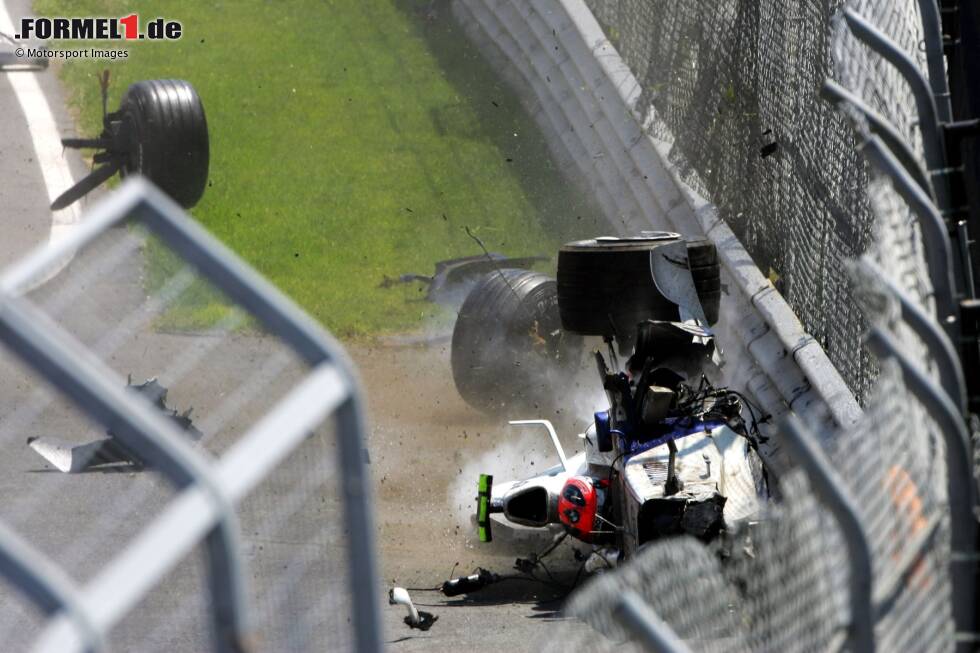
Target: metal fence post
[646, 626]
[356, 485]
[939, 252]
[932, 139]
[830, 490]
[926, 329]
[41, 581]
[962, 490]
[834, 92]
[932, 34]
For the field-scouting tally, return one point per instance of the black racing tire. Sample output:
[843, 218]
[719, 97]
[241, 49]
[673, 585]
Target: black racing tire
[605, 287]
[707, 285]
[702, 257]
[706, 272]
[701, 252]
[167, 131]
[508, 348]
[711, 304]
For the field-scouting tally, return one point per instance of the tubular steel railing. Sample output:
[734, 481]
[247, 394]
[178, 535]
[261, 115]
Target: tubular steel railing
[80, 617]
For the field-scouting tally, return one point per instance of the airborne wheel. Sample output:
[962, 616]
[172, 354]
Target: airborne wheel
[160, 131]
[605, 287]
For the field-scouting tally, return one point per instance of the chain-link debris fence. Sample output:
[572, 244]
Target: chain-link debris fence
[734, 86]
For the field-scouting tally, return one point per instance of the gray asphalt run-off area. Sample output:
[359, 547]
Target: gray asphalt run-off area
[426, 447]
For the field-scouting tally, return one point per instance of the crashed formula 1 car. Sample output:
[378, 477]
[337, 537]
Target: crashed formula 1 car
[672, 454]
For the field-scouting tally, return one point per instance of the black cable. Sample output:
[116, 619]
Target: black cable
[547, 571]
[552, 547]
[612, 468]
[438, 588]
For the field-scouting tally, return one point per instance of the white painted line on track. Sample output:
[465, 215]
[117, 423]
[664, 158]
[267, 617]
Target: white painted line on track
[47, 142]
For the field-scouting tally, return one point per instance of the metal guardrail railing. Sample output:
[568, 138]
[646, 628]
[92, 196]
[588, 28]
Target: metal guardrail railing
[80, 617]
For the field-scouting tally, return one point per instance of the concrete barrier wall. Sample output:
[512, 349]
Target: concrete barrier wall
[584, 98]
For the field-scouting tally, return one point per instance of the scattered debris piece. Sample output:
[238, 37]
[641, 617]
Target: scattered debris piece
[769, 148]
[418, 619]
[454, 278]
[468, 584]
[74, 458]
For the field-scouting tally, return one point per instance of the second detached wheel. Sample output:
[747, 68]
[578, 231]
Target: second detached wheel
[508, 347]
[165, 122]
[605, 286]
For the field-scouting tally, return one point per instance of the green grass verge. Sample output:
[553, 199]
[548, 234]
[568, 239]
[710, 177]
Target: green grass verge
[350, 140]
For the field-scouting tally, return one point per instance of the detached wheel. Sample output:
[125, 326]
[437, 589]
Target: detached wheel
[605, 286]
[508, 347]
[168, 134]
[701, 253]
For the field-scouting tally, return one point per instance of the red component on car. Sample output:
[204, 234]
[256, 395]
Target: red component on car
[578, 506]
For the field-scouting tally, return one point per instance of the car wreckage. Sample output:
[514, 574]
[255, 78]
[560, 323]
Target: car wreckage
[673, 453]
[110, 451]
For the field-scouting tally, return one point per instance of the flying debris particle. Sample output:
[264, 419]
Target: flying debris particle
[769, 148]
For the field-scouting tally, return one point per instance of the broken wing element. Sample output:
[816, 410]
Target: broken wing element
[71, 458]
